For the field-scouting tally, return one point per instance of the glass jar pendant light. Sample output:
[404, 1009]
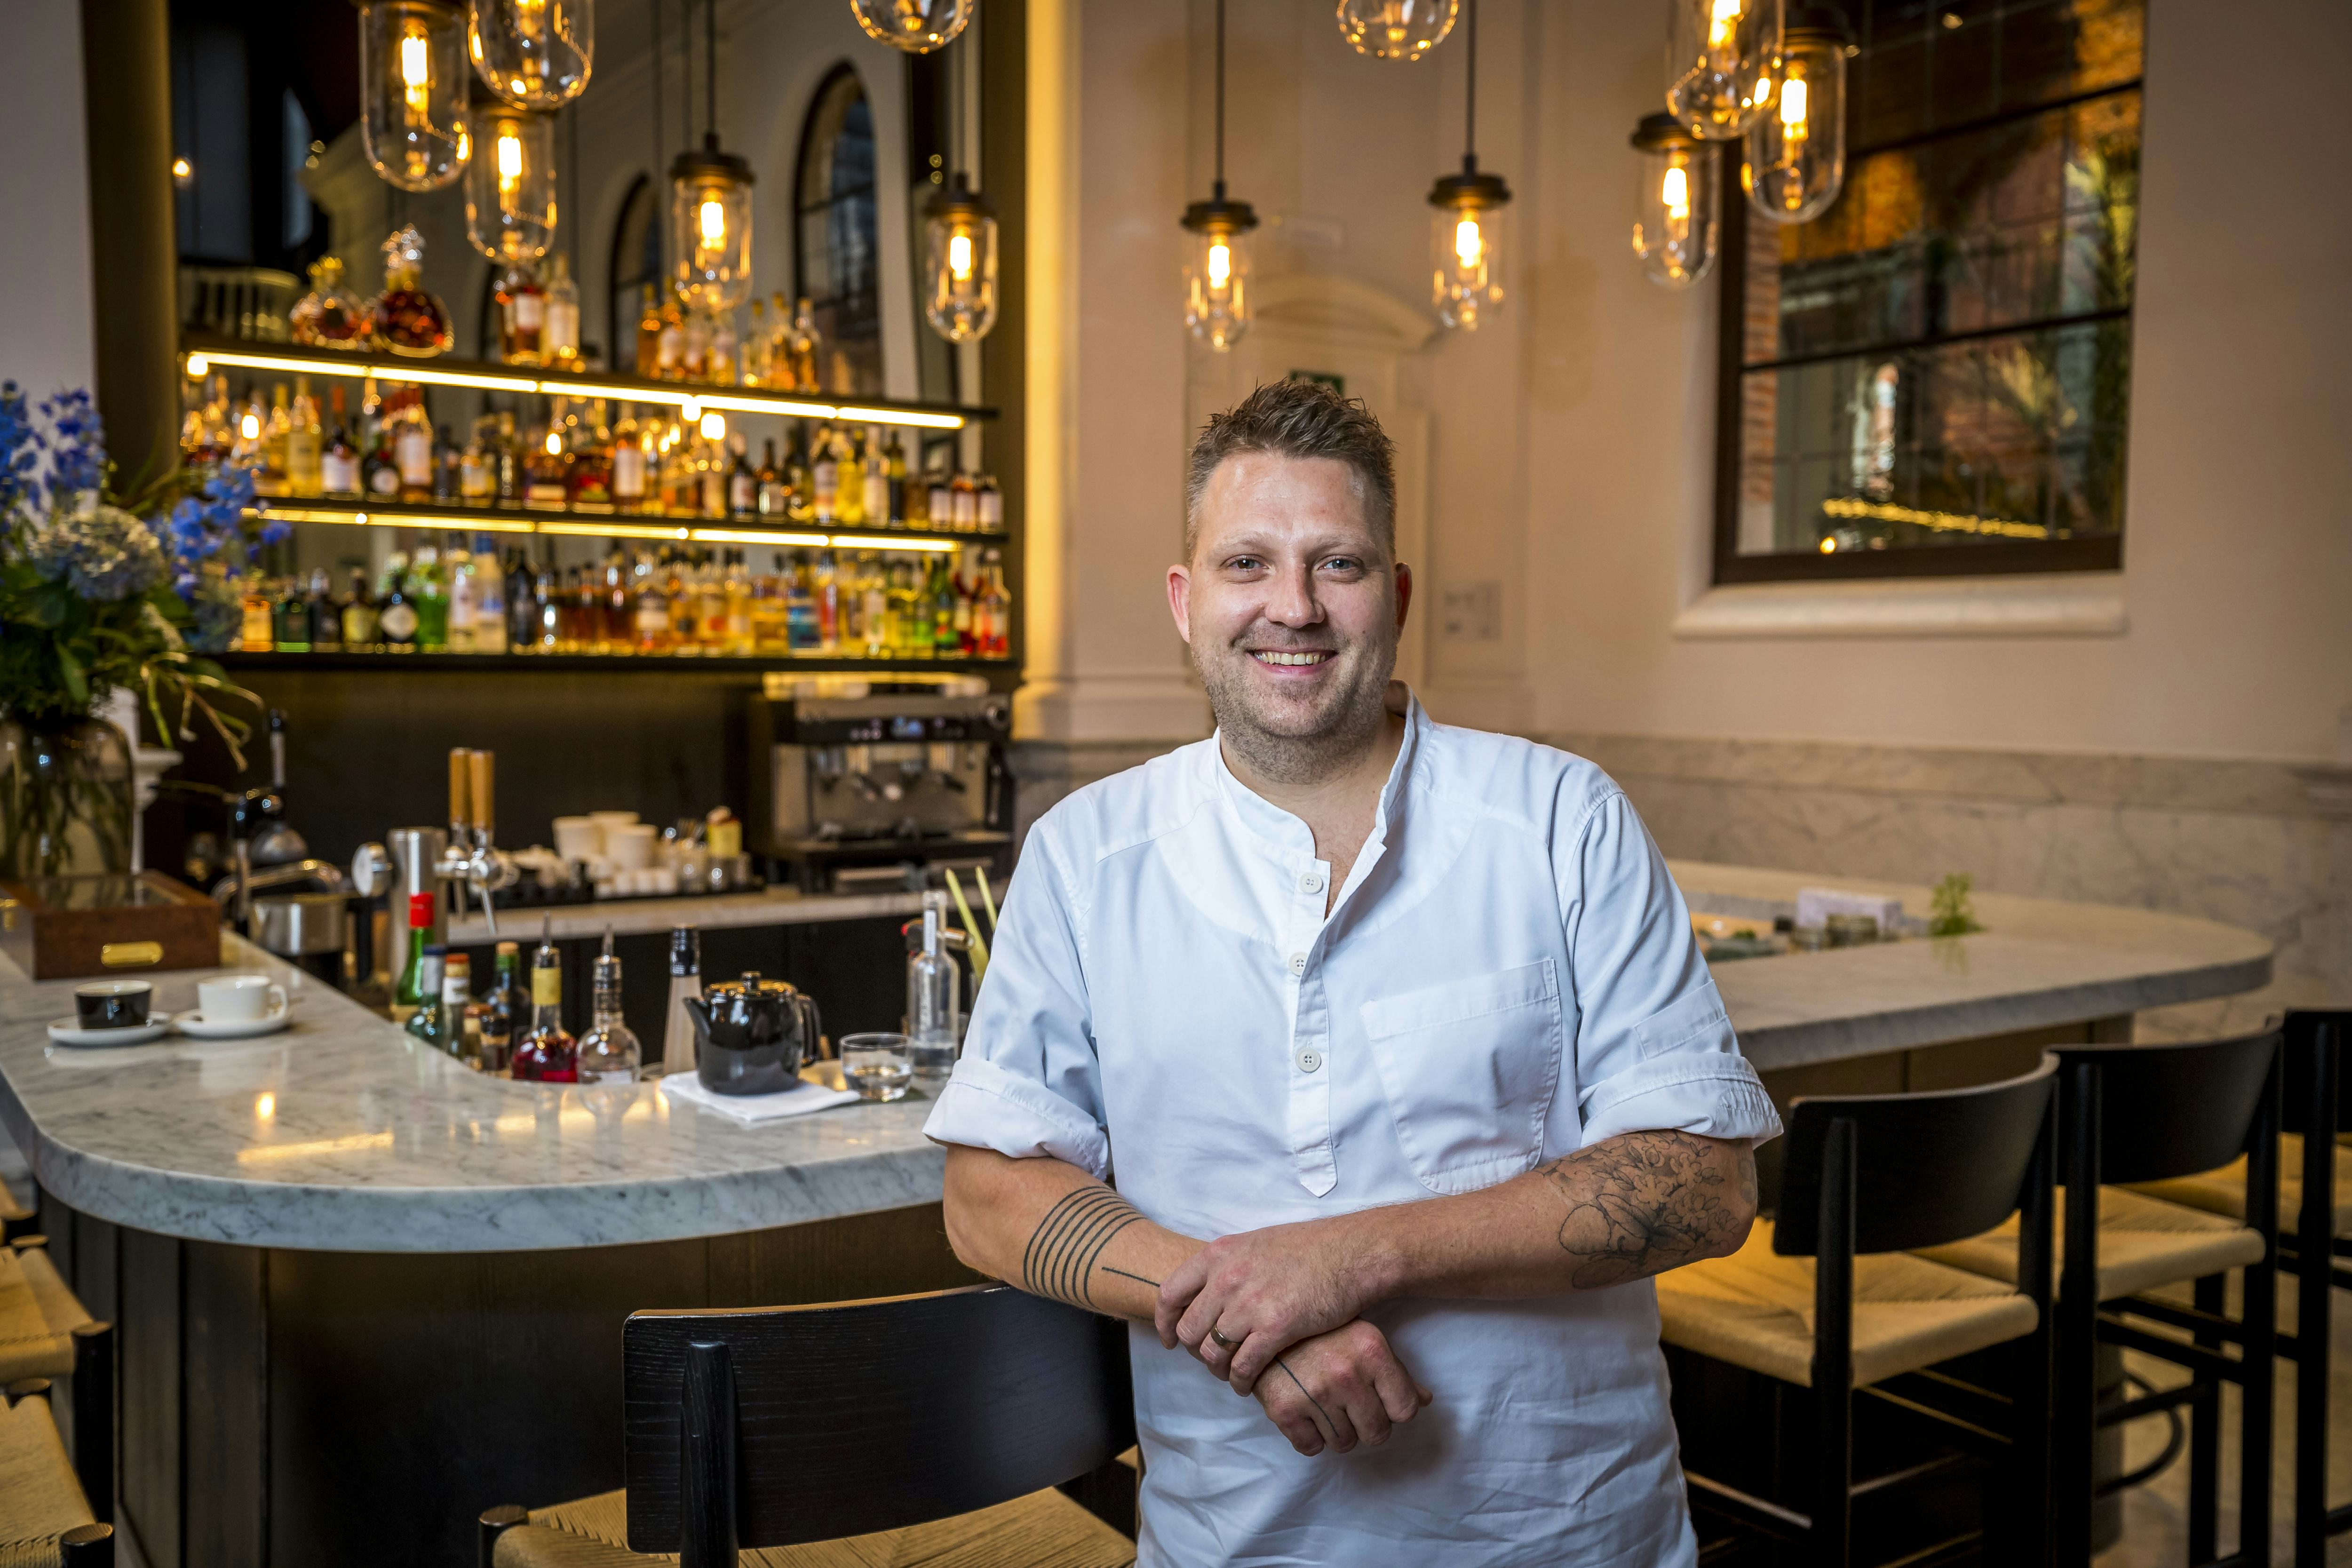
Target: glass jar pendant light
[1796, 154]
[917, 27]
[1216, 258]
[1465, 234]
[1676, 234]
[510, 184]
[960, 233]
[1396, 29]
[412, 89]
[711, 206]
[534, 54]
[1720, 56]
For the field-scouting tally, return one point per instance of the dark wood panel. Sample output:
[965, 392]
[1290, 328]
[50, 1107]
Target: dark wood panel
[150, 1435]
[225, 1439]
[895, 1253]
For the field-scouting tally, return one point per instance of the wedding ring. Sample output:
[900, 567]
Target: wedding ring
[1229, 1344]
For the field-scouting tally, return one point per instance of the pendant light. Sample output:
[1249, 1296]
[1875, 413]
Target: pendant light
[1396, 29]
[1216, 260]
[960, 254]
[510, 184]
[1674, 235]
[1720, 56]
[412, 90]
[711, 206]
[1796, 154]
[917, 27]
[534, 54]
[1465, 234]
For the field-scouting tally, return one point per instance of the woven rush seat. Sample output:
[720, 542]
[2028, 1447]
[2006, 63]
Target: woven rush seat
[38, 1313]
[1044, 1529]
[16, 1216]
[2142, 1244]
[1755, 1309]
[39, 1498]
[2224, 1191]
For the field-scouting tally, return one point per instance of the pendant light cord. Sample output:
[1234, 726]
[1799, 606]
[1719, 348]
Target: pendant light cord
[1221, 100]
[1470, 94]
[711, 68]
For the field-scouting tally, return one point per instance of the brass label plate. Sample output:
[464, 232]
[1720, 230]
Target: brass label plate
[131, 954]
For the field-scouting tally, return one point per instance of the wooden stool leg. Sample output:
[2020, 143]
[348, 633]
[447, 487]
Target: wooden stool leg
[2314, 1293]
[1832, 1498]
[2205, 1438]
[495, 1522]
[2074, 1405]
[87, 1546]
[2259, 1289]
[93, 1416]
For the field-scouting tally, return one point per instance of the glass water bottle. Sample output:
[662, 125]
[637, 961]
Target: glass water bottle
[609, 1052]
[934, 1000]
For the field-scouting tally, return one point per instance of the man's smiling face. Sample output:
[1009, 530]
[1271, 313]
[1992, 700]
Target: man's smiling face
[1292, 604]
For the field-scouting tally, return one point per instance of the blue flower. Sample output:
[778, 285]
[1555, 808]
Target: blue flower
[104, 555]
[78, 457]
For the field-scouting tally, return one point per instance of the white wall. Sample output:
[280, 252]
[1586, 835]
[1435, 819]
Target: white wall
[46, 343]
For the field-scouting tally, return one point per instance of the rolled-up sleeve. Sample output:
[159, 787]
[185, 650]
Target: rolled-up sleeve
[1028, 1083]
[1655, 1050]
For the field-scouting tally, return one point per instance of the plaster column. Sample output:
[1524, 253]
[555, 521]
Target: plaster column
[45, 189]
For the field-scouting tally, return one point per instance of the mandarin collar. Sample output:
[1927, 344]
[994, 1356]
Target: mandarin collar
[1288, 835]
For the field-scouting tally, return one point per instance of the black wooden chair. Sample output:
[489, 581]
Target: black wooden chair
[45, 1516]
[47, 1333]
[1827, 1295]
[2314, 1199]
[946, 1419]
[2133, 1114]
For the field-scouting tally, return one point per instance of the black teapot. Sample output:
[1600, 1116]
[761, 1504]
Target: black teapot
[751, 1035]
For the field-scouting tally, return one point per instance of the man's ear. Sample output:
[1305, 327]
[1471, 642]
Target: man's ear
[1179, 601]
[1403, 592]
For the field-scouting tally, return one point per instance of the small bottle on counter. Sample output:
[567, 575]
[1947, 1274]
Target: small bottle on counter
[609, 1052]
[456, 1007]
[506, 1011]
[934, 999]
[425, 1023]
[685, 981]
[411, 993]
[548, 1053]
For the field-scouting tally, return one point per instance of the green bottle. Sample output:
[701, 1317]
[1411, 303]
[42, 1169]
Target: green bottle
[431, 585]
[396, 614]
[410, 991]
[940, 596]
[426, 1022]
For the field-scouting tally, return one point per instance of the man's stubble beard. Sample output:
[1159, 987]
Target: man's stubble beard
[1343, 731]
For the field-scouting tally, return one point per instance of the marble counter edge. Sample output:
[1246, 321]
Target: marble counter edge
[638, 917]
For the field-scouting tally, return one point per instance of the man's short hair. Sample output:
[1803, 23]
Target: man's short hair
[1299, 419]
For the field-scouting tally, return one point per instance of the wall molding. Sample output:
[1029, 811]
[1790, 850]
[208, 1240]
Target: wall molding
[2064, 604]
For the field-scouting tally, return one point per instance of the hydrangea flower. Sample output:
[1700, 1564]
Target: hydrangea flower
[20, 455]
[77, 452]
[104, 555]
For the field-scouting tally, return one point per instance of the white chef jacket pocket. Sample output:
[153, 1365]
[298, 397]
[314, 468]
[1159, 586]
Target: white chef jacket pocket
[1470, 1068]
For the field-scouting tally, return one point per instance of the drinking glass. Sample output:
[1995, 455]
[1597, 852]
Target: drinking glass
[877, 1066]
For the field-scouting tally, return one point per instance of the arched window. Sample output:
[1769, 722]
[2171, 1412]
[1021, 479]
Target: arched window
[636, 261]
[835, 246]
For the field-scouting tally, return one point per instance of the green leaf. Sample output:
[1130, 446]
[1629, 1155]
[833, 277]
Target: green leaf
[76, 685]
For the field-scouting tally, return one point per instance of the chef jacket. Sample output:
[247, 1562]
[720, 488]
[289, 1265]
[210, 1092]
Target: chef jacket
[1508, 975]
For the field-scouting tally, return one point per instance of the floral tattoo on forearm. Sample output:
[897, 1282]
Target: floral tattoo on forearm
[1641, 1204]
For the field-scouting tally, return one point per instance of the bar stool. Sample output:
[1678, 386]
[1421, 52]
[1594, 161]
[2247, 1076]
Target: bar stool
[2145, 1113]
[45, 1334]
[45, 1518]
[2315, 1199]
[914, 1430]
[17, 1217]
[1827, 1296]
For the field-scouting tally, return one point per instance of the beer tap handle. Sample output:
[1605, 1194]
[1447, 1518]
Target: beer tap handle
[457, 813]
[480, 769]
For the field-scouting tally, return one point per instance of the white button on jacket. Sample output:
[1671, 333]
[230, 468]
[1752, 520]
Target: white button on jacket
[1508, 975]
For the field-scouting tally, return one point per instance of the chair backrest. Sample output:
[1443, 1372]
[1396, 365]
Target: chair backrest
[1929, 1167]
[2172, 1109]
[2309, 1030]
[834, 1420]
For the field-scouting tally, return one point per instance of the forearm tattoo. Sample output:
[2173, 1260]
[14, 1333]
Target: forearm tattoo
[1642, 1205]
[1068, 1243]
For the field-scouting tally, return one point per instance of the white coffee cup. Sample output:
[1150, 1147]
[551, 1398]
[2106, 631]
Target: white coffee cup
[576, 838]
[607, 825]
[240, 999]
[630, 847]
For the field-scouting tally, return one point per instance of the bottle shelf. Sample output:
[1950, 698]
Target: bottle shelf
[204, 352]
[608, 523]
[814, 663]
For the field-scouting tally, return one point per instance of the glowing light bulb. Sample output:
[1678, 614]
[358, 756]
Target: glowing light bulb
[1673, 191]
[416, 72]
[713, 217]
[554, 445]
[1221, 265]
[1721, 22]
[1829, 545]
[1469, 244]
[714, 426]
[1792, 108]
[509, 160]
[690, 410]
[250, 427]
[959, 257]
[199, 367]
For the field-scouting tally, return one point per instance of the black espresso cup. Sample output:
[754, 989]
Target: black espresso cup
[112, 1003]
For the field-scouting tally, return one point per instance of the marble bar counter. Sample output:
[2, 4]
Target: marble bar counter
[717, 912]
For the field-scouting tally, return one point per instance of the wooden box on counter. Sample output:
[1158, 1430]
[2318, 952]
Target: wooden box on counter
[57, 928]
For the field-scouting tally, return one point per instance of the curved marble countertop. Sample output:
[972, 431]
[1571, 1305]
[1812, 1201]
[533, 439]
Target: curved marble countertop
[342, 1134]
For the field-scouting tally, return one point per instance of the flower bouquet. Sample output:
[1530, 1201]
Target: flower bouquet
[94, 595]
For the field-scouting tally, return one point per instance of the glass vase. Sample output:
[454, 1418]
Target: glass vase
[66, 798]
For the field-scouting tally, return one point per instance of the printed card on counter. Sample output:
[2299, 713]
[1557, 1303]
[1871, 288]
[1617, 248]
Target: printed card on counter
[753, 1109]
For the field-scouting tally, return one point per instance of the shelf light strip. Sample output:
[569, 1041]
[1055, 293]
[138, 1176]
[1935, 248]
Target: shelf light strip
[199, 364]
[617, 528]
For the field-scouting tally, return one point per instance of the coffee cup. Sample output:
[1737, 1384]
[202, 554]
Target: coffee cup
[112, 1003]
[239, 999]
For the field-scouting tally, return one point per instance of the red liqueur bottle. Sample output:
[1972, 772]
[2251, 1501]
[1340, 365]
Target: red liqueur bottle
[407, 318]
[547, 1053]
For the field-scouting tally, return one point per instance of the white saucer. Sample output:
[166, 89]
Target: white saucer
[68, 1032]
[192, 1023]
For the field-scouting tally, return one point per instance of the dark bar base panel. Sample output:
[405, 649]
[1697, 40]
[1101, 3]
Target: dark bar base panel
[363, 1409]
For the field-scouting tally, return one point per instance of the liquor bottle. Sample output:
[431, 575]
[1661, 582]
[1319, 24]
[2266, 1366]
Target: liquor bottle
[685, 981]
[799, 492]
[545, 484]
[988, 505]
[965, 502]
[879, 514]
[488, 577]
[608, 1052]
[269, 475]
[894, 473]
[616, 617]
[694, 350]
[753, 356]
[412, 448]
[934, 999]
[505, 454]
[448, 470]
[523, 610]
[874, 599]
[254, 632]
[917, 503]
[966, 594]
[547, 1053]
[523, 319]
[769, 633]
[647, 359]
[360, 635]
[289, 618]
[628, 481]
[720, 356]
[710, 614]
[339, 465]
[424, 1020]
[824, 476]
[591, 479]
[563, 611]
[326, 616]
[457, 564]
[477, 482]
[940, 593]
[942, 507]
[803, 345]
[305, 445]
[506, 1010]
[849, 484]
[395, 616]
[410, 991]
[558, 339]
[429, 592]
[1000, 607]
[547, 610]
[740, 640]
[800, 608]
[406, 318]
[825, 590]
[742, 485]
[771, 499]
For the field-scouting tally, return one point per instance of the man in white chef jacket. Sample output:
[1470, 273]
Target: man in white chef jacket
[1367, 1063]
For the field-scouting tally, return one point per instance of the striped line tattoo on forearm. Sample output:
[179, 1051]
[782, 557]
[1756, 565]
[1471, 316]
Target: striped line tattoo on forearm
[1061, 1256]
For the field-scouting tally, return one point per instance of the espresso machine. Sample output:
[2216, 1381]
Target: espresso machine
[862, 785]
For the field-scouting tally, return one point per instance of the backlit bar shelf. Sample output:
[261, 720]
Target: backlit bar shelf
[206, 351]
[673, 663]
[592, 523]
